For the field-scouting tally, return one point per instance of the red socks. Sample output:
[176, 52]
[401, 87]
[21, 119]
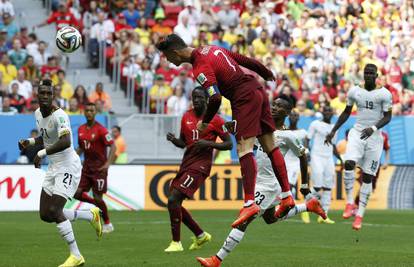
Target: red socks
[175, 219]
[249, 171]
[190, 223]
[86, 198]
[279, 167]
[102, 206]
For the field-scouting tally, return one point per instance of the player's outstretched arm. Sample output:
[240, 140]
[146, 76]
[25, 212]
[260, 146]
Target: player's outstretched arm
[178, 142]
[25, 143]
[227, 144]
[367, 132]
[253, 65]
[341, 120]
[214, 102]
[60, 145]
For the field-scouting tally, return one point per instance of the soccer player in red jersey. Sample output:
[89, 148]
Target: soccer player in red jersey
[219, 73]
[195, 167]
[93, 140]
[62, 17]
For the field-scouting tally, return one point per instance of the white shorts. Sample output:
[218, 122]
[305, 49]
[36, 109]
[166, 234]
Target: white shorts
[322, 171]
[293, 171]
[366, 153]
[267, 198]
[62, 178]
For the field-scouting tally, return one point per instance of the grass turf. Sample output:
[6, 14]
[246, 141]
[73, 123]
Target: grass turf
[386, 239]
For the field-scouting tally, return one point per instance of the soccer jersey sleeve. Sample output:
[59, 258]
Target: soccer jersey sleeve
[387, 101]
[350, 99]
[62, 124]
[106, 136]
[295, 146]
[311, 131]
[220, 129]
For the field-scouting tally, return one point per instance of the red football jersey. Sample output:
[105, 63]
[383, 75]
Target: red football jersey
[93, 142]
[62, 19]
[213, 65]
[194, 159]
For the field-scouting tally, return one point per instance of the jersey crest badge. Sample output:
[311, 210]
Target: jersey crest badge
[201, 78]
[108, 137]
[62, 120]
[49, 125]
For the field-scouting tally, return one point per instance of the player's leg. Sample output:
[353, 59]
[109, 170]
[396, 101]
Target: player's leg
[99, 187]
[84, 186]
[369, 166]
[326, 192]
[174, 209]
[51, 210]
[200, 237]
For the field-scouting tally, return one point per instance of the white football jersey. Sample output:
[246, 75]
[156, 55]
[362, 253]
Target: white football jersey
[286, 141]
[51, 129]
[290, 158]
[318, 130]
[371, 105]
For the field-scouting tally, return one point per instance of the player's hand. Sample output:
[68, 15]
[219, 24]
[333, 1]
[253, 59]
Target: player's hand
[328, 138]
[230, 126]
[201, 126]
[201, 144]
[170, 137]
[104, 167]
[23, 144]
[366, 133]
[37, 161]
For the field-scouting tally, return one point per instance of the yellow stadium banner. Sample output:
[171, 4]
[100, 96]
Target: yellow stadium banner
[224, 189]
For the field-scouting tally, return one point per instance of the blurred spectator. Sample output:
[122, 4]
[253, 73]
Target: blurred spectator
[6, 108]
[90, 17]
[120, 152]
[81, 96]
[159, 27]
[186, 31]
[23, 36]
[143, 32]
[8, 70]
[121, 23]
[394, 74]
[31, 72]
[99, 94]
[220, 42]
[261, 45]
[17, 55]
[338, 104]
[73, 107]
[16, 100]
[31, 151]
[51, 68]
[131, 15]
[158, 94]
[58, 100]
[186, 83]
[178, 103]
[208, 17]
[281, 35]
[9, 26]
[166, 71]
[41, 55]
[25, 87]
[6, 7]
[67, 89]
[302, 109]
[32, 44]
[62, 17]
[191, 14]
[4, 44]
[227, 16]
[101, 32]
[100, 109]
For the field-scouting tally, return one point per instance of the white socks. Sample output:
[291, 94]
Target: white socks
[65, 230]
[296, 210]
[326, 200]
[349, 179]
[232, 240]
[73, 215]
[364, 194]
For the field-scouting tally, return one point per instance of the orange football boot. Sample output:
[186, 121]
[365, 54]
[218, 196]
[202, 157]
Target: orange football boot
[357, 225]
[285, 205]
[209, 262]
[245, 214]
[349, 208]
[314, 206]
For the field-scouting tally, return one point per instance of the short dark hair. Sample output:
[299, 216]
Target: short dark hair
[61, 71]
[171, 42]
[371, 66]
[287, 102]
[90, 104]
[117, 127]
[199, 88]
[45, 82]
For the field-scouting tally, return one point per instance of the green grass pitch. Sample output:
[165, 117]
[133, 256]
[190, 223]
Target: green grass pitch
[386, 239]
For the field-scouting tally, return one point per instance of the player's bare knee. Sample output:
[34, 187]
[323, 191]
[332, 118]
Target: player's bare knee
[44, 216]
[97, 197]
[349, 165]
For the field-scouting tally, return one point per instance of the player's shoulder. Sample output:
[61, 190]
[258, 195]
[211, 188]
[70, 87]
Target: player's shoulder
[354, 89]
[37, 113]
[384, 92]
[59, 112]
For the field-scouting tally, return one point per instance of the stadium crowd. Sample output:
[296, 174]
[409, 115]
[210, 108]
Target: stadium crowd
[316, 49]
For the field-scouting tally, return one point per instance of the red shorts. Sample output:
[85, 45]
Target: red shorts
[188, 182]
[252, 113]
[92, 178]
